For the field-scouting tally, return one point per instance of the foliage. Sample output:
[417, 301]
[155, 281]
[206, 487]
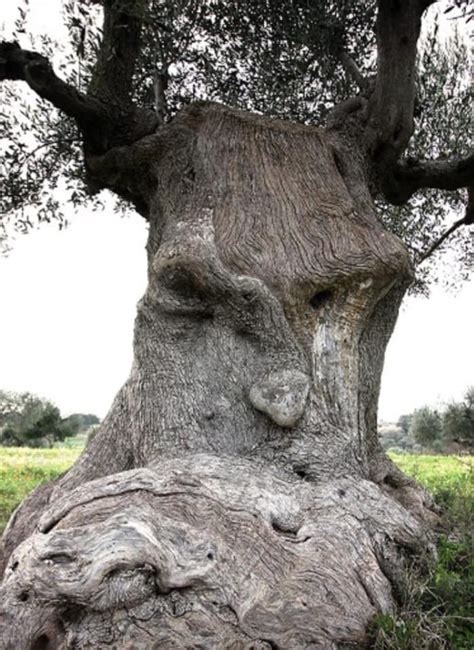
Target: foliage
[281, 59]
[85, 420]
[458, 421]
[426, 426]
[442, 121]
[394, 437]
[28, 420]
[446, 431]
[404, 422]
[436, 612]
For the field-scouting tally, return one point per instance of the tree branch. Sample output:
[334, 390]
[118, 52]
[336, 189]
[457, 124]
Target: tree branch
[102, 125]
[160, 84]
[35, 69]
[113, 73]
[352, 69]
[434, 247]
[390, 111]
[405, 178]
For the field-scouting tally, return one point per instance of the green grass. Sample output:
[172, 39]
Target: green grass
[437, 610]
[22, 469]
[437, 472]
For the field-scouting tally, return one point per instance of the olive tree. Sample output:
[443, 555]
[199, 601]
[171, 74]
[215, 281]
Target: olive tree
[236, 495]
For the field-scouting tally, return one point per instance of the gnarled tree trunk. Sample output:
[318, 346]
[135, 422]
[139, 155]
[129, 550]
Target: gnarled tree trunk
[235, 496]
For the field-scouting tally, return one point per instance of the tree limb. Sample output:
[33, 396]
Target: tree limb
[405, 178]
[352, 69]
[434, 247]
[390, 111]
[102, 124]
[36, 70]
[113, 73]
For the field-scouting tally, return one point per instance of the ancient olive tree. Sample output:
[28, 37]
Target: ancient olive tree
[236, 495]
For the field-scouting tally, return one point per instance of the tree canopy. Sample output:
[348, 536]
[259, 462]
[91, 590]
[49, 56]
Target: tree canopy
[296, 60]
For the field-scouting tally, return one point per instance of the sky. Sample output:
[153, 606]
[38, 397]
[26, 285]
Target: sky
[68, 298]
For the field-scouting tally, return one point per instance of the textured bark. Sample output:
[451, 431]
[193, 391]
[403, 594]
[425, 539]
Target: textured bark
[186, 553]
[408, 177]
[235, 496]
[390, 110]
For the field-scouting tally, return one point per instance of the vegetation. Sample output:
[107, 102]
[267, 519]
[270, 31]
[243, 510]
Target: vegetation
[27, 420]
[274, 282]
[436, 610]
[293, 61]
[22, 469]
[458, 421]
[447, 431]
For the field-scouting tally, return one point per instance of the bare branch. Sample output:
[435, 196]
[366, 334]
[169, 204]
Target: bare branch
[353, 71]
[434, 247]
[36, 70]
[390, 116]
[444, 174]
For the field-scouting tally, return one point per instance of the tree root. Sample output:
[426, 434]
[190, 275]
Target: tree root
[204, 551]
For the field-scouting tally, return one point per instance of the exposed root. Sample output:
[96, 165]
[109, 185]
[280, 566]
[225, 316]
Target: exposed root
[220, 551]
[404, 489]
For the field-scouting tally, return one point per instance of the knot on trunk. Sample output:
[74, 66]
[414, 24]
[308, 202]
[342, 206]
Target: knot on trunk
[282, 396]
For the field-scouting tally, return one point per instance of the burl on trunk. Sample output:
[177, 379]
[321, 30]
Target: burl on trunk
[235, 496]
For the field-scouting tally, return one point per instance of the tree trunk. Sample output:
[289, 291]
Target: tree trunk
[235, 495]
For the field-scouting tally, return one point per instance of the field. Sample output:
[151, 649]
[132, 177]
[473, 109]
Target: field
[437, 605]
[22, 469]
[437, 472]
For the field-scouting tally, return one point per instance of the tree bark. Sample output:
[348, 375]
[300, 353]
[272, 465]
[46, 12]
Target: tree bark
[235, 495]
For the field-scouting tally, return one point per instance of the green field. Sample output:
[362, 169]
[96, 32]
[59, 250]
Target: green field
[437, 610]
[21, 469]
[436, 472]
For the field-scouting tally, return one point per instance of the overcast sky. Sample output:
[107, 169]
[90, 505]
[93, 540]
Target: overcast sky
[68, 299]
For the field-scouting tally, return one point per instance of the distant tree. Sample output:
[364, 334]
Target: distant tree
[426, 426]
[28, 420]
[404, 422]
[393, 437]
[19, 410]
[458, 421]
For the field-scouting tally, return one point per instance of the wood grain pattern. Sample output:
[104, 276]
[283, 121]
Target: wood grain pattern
[235, 496]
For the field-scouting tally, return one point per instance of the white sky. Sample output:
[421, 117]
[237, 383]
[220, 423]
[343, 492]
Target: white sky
[68, 299]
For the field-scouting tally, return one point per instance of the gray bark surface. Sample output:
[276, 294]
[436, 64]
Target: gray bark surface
[235, 495]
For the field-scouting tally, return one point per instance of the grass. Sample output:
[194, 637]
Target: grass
[437, 472]
[22, 469]
[436, 613]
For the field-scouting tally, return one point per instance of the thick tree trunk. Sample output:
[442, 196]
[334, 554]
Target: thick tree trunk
[235, 496]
